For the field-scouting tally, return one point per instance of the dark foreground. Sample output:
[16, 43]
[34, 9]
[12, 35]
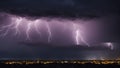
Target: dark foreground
[60, 64]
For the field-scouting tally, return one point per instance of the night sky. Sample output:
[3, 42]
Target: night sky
[101, 19]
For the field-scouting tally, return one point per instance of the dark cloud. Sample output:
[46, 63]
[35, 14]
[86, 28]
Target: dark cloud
[41, 51]
[61, 8]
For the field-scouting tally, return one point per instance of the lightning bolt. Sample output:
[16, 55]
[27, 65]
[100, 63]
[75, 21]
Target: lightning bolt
[20, 24]
[28, 30]
[36, 26]
[6, 32]
[5, 29]
[17, 22]
[78, 35]
[14, 25]
[109, 44]
[49, 32]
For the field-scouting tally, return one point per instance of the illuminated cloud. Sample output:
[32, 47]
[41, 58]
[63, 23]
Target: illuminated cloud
[29, 27]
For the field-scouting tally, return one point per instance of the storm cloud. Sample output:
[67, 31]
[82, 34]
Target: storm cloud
[102, 19]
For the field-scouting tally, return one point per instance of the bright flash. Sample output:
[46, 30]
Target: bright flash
[23, 26]
[78, 33]
[17, 24]
[110, 45]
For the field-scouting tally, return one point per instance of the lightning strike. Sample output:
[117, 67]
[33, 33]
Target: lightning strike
[110, 45]
[20, 26]
[18, 22]
[37, 27]
[28, 30]
[49, 32]
[78, 35]
[5, 29]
